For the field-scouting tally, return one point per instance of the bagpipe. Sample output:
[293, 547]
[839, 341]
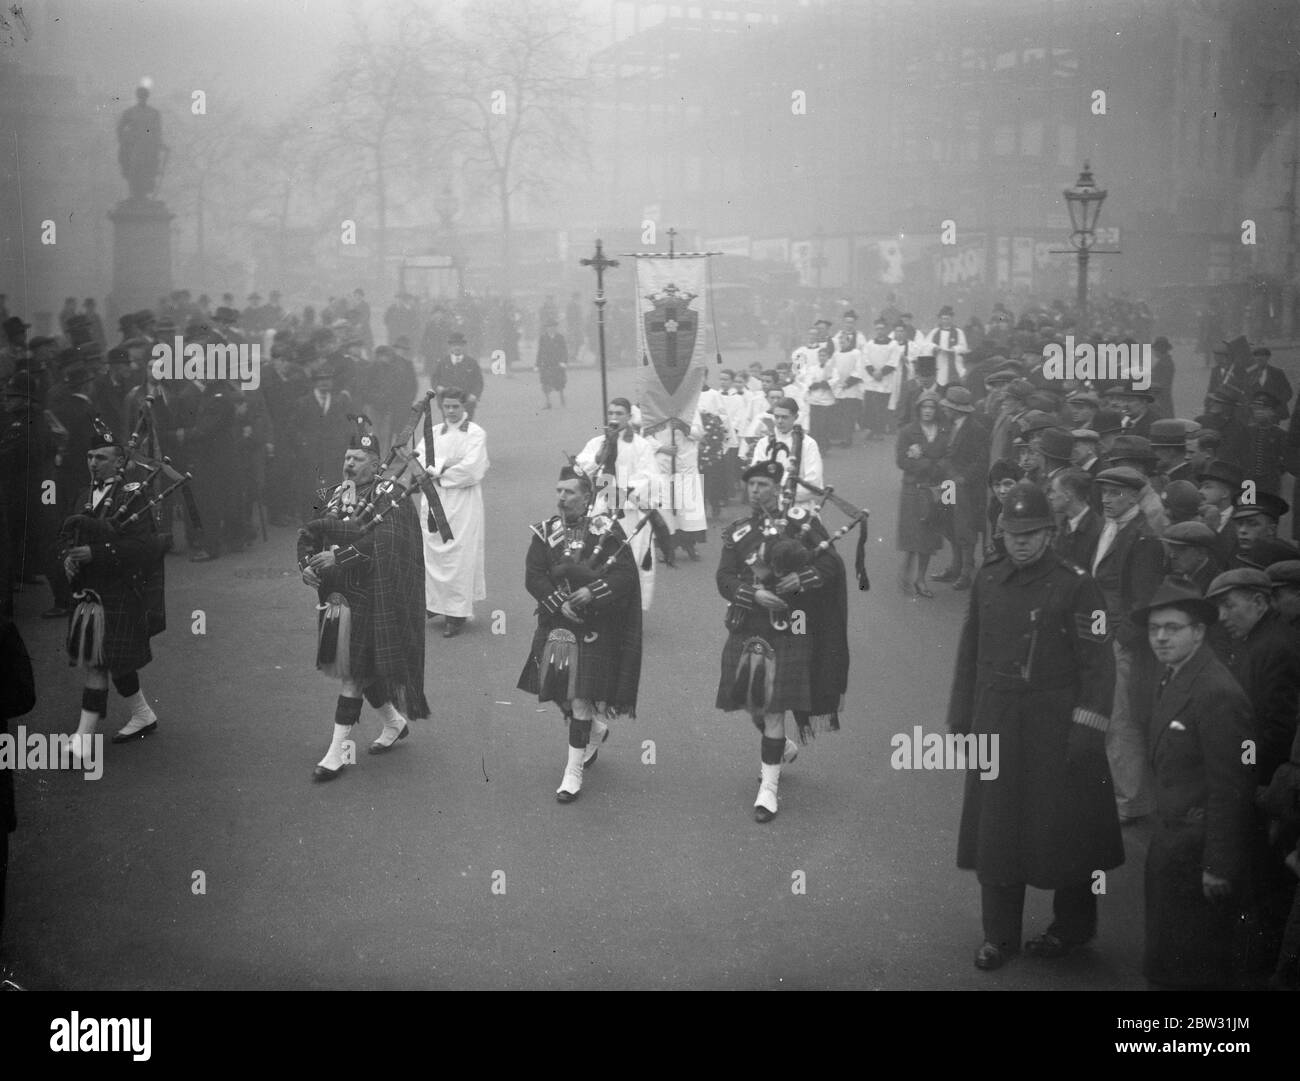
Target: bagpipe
[121, 507]
[396, 481]
[858, 518]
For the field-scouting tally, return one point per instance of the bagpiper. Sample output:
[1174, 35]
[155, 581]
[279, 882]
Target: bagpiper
[112, 555]
[586, 651]
[787, 646]
[365, 558]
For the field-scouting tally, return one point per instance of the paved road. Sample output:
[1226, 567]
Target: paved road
[656, 877]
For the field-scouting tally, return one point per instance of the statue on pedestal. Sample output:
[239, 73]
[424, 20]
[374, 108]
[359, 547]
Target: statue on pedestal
[140, 149]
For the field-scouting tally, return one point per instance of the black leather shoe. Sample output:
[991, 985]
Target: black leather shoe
[380, 748]
[147, 730]
[566, 797]
[950, 575]
[455, 624]
[989, 957]
[324, 773]
[762, 814]
[964, 582]
[1050, 945]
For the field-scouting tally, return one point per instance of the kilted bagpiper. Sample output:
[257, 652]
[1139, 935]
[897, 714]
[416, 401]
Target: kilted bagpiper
[787, 650]
[1034, 681]
[114, 567]
[370, 581]
[586, 651]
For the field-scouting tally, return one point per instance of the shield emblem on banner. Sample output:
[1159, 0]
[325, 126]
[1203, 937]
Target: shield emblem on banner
[670, 329]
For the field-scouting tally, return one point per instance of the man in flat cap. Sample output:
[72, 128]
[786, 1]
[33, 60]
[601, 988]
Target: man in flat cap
[1262, 652]
[787, 615]
[1128, 566]
[1285, 577]
[1191, 554]
[1034, 673]
[1197, 869]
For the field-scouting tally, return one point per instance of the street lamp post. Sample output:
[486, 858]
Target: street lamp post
[1084, 202]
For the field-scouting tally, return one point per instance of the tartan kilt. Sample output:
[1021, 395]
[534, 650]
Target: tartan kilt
[126, 627]
[361, 651]
[596, 669]
[791, 689]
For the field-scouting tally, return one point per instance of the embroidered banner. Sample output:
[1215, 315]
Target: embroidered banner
[672, 309]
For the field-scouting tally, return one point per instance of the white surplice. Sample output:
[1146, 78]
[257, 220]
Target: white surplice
[453, 572]
[634, 471]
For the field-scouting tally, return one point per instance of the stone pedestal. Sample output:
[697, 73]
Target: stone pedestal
[142, 254]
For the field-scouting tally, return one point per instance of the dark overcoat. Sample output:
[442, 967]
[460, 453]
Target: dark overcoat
[1029, 657]
[1204, 796]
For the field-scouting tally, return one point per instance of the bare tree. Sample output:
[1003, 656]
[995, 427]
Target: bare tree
[518, 95]
[378, 115]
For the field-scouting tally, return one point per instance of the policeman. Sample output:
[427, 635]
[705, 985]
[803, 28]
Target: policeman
[1035, 678]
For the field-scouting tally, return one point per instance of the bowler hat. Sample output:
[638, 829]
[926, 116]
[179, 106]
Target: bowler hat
[1228, 473]
[1085, 434]
[13, 326]
[1083, 397]
[1056, 443]
[456, 338]
[1181, 594]
[1266, 503]
[1026, 509]
[1121, 476]
[1182, 500]
[1168, 433]
[1239, 578]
